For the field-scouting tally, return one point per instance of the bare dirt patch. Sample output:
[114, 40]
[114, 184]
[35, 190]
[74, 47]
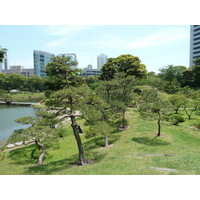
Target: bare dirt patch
[124, 128]
[110, 145]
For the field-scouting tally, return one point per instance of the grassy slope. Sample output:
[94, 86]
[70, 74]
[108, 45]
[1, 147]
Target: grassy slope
[121, 158]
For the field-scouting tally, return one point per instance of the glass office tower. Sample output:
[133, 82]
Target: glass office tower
[41, 59]
[194, 43]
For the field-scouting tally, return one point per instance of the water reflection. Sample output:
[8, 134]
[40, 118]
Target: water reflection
[7, 116]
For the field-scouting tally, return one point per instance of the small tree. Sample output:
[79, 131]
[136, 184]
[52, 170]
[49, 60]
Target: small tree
[76, 102]
[157, 110]
[41, 128]
[100, 128]
[177, 100]
[189, 108]
[124, 94]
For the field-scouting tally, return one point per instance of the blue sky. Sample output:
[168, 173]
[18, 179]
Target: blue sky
[156, 45]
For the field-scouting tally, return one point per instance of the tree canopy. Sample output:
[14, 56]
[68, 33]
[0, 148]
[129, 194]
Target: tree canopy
[60, 72]
[2, 53]
[130, 65]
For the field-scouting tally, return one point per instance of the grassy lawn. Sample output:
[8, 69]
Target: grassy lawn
[121, 157]
[28, 96]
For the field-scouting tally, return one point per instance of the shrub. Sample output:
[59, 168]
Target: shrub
[197, 124]
[176, 119]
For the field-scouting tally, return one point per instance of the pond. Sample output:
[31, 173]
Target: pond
[7, 116]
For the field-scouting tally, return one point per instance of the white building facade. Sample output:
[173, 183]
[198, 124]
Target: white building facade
[4, 64]
[101, 60]
[194, 43]
[18, 69]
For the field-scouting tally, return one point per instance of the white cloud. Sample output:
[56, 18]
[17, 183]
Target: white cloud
[64, 29]
[107, 41]
[57, 43]
[164, 37]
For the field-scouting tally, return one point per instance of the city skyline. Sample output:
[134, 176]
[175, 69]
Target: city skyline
[156, 45]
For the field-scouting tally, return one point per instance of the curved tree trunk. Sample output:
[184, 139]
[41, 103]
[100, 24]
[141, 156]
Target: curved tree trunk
[75, 129]
[78, 140]
[41, 157]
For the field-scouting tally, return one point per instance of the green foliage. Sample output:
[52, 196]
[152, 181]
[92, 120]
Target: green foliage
[197, 124]
[60, 73]
[35, 83]
[148, 95]
[2, 92]
[48, 93]
[178, 100]
[18, 136]
[17, 81]
[20, 82]
[191, 75]
[99, 128]
[2, 53]
[109, 69]
[93, 82]
[155, 110]
[128, 64]
[174, 77]
[7, 97]
[176, 119]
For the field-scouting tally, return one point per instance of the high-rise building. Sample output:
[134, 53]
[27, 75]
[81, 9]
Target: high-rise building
[194, 43]
[41, 59]
[101, 60]
[4, 64]
[1, 66]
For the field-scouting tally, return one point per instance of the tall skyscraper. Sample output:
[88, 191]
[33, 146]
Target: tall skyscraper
[194, 43]
[101, 59]
[1, 66]
[41, 59]
[4, 64]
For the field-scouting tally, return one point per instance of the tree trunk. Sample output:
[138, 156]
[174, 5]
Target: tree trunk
[123, 119]
[78, 140]
[106, 141]
[41, 157]
[159, 125]
[75, 129]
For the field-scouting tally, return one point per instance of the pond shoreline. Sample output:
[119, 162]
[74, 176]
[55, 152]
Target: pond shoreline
[11, 112]
[18, 103]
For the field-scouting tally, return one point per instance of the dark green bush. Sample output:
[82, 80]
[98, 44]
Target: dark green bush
[176, 119]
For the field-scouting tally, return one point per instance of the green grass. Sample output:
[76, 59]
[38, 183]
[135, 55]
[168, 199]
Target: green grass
[121, 158]
[28, 96]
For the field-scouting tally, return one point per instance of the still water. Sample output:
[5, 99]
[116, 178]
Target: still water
[7, 116]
